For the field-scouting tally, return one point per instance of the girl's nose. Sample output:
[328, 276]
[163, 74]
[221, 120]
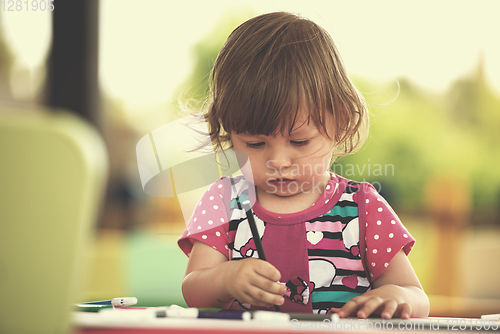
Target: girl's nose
[279, 161]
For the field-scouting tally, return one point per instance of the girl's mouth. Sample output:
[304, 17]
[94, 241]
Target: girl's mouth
[281, 182]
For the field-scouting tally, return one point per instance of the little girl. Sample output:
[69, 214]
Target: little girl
[281, 95]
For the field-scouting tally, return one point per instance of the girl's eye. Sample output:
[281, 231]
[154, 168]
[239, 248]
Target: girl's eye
[299, 142]
[255, 145]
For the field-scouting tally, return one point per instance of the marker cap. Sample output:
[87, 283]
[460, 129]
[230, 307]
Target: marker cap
[124, 301]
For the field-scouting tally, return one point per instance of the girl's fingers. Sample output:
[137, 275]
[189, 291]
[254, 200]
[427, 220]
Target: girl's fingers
[348, 309]
[390, 307]
[266, 278]
[365, 307]
[247, 298]
[406, 310]
[267, 270]
[255, 282]
[370, 306]
[268, 285]
[259, 297]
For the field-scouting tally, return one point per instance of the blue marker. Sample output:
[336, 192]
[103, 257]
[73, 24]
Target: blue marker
[125, 301]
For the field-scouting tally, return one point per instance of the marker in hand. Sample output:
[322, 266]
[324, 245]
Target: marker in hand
[255, 235]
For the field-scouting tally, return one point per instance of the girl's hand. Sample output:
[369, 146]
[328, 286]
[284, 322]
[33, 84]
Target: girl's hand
[253, 281]
[385, 301]
[213, 281]
[396, 293]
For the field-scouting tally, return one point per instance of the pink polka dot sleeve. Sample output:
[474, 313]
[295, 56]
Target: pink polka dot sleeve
[209, 222]
[385, 234]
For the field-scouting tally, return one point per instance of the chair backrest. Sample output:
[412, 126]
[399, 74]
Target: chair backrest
[53, 170]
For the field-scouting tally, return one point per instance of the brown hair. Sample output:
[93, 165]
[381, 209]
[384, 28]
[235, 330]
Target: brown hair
[269, 67]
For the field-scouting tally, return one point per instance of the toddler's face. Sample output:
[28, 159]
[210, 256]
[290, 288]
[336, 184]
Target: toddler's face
[286, 165]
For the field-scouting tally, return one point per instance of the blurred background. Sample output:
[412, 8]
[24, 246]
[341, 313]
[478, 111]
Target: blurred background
[429, 70]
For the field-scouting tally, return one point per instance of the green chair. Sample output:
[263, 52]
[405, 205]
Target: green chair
[53, 169]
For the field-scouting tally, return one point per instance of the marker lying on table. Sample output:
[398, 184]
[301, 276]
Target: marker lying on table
[178, 312]
[102, 304]
[255, 236]
[175, 311]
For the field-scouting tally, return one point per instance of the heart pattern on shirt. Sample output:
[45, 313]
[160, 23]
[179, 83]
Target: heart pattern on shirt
[314, 237]
[350, 281]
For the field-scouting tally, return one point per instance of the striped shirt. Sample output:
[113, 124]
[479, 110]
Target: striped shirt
[326, 254]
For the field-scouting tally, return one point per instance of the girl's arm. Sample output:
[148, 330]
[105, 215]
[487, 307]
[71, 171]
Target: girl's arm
[396, 293]
[213, 281]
